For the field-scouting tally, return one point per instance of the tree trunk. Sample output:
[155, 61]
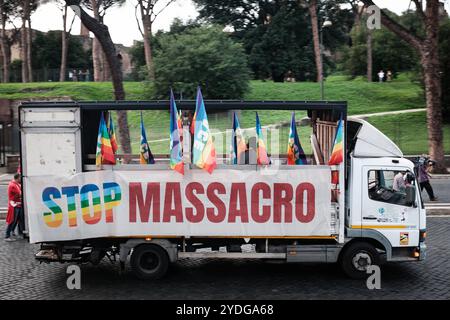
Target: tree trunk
[97, 60]
[105, 67]
[432, 80]
[102, 34]
[369, 56]
[429, 55]
[64, 48]
[23, 51]
[147, 26]
[316, 38]
[5, 50]
[29, 44]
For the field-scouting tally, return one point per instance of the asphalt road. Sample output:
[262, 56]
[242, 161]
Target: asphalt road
[21, 277]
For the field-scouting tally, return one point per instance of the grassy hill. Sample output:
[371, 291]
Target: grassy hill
[362, 97]
[408, 130]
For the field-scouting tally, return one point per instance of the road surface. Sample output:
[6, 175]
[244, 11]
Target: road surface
[21, 277]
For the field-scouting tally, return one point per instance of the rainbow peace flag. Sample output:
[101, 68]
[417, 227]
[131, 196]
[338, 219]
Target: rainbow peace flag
[295, 153]
[180, 125]
[204, 153]
[238, 146]
[104, 153]
[146, 156]
[176, 151]
[262, 157]
[337, 155]
[112, 134]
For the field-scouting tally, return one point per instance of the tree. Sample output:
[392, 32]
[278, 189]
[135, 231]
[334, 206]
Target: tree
[380, 47]
[99, 9]
[8, 10]
[428, 50]
[203, 56]
[64, 39]
[316, 41]
[26, 7]
[137, 52]
[444, 49]
[47, 49]
[101, 32]
[289, 26]
[148, 12]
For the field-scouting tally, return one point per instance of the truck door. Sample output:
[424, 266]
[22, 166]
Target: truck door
[385, 207]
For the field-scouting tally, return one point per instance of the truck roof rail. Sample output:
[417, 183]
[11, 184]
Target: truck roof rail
[222, 105]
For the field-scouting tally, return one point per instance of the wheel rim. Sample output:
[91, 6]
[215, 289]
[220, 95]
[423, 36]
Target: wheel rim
[361, 261]
[149, 261]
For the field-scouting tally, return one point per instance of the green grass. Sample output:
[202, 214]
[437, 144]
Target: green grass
[157, 130]
[409, 131]
[73, 90]
[362, 97]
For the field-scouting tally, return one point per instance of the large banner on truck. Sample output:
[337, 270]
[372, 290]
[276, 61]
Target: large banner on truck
[164, 203]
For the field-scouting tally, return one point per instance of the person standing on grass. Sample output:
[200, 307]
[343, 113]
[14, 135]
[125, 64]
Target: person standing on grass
[14, 216]
[381, 76]
[389, 76]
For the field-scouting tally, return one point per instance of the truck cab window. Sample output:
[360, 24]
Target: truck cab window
[389, 186]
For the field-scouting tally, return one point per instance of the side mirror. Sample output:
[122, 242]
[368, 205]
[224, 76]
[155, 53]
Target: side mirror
[410, 195]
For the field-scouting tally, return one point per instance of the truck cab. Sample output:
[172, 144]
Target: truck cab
[389, 216]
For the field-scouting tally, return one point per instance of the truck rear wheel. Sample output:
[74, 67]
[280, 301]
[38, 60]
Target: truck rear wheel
[357, 258]
[149, 261]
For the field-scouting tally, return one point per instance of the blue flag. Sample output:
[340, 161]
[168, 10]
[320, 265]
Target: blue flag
[295, 153]
[146, 156]
[176, 152]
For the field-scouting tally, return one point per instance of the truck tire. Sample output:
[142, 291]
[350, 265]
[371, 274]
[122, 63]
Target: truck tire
[357, 257]
[149, 261]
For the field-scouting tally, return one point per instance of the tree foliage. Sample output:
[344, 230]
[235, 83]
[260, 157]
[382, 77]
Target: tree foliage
[202, 56]
[388, 51]
[277, 34]
[47, 52]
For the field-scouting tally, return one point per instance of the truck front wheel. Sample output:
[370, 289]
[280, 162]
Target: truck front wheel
[149, 261]
[357, 258]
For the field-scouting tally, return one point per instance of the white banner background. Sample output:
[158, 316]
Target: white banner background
[319, 177]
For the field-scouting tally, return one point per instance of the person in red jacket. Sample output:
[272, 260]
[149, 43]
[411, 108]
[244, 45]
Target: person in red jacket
[14, 217]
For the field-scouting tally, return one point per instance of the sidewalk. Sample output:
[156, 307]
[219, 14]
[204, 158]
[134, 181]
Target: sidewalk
[5, 178]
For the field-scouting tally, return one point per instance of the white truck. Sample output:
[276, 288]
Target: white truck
[80, 212]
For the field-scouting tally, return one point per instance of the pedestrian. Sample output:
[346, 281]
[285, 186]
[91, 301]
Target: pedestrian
[381, 76]
[425, 166]
[399, 182]
[389, 76]
[14, 217]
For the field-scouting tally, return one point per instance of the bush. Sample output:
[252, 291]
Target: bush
[203, 56]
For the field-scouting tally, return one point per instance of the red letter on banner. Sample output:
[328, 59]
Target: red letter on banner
[282, 197]
[152, 199]
[191, 189]
[256, 216]
[215, 200]
[173, 195]
[310, 202]
[238, 192]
